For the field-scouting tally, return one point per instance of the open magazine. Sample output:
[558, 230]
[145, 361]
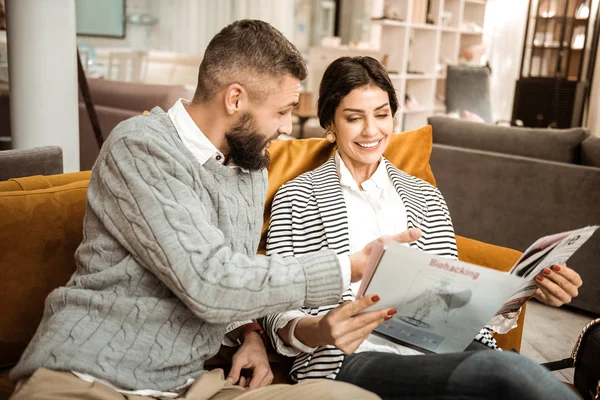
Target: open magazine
[442, 303]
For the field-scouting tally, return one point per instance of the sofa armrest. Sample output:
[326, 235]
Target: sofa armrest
[485, 254]
[499, 258]
[37, 182]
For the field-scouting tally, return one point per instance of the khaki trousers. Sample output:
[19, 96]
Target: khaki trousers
[46, 384]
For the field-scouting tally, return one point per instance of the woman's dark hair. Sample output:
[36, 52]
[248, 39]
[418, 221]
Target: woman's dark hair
[346, 74]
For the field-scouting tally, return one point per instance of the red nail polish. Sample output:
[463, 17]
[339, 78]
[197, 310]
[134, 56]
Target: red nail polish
[375, 298]
[556, 268]
[387, 318]
[547, 271]
[392, 312]
[539, 278]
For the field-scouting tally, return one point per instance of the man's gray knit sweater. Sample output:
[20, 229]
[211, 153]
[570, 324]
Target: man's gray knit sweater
[168, 260]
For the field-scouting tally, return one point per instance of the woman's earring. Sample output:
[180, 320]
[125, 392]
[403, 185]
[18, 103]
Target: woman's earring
[330, 136]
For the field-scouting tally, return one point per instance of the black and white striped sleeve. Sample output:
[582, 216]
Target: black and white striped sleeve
[279, 241]
[452, 245]
[279, 236]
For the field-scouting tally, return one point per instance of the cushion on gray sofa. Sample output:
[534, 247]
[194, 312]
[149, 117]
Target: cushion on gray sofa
[562, 145]
[590, 151]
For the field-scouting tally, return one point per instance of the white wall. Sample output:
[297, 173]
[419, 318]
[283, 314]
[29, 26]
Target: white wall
[187, 26]
[505, 31]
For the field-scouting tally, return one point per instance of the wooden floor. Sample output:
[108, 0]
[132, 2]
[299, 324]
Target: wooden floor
[550, 333]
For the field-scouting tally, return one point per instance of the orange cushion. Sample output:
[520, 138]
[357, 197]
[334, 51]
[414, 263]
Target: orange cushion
[65, 179]
[409, 151]
[499, 258]
[26, 183]
[39, 233]
[485, 254]
[42, 182]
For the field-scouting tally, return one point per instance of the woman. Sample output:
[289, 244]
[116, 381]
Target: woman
[352, 199]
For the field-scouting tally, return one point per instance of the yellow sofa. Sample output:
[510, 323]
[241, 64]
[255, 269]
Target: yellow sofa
[41, 226]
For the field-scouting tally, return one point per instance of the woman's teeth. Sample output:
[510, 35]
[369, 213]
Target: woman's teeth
[368, 145]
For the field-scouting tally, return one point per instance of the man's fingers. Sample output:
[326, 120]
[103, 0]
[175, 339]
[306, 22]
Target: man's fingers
[258, 376]
[234, 373]
[268, 379]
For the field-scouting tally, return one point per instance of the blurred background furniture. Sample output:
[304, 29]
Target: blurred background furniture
[87, 54]
[46, 160]
[304, 111]
[117, 101]
[417, 42]
[468, 89]
[509, 186]
[127, 65]
[156, 67]
[5, 136]
[557, 64]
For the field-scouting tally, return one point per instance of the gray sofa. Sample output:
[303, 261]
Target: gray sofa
[509, 186]
[43, 160]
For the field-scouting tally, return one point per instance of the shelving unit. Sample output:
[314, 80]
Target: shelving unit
[556, 40]
[554, 78]
[419, 45]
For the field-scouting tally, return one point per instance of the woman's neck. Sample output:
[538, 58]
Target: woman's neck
[359, 171]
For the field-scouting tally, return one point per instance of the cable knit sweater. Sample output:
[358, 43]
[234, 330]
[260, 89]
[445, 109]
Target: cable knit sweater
[168, 259]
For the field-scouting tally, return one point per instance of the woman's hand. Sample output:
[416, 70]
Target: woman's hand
[359, 261]
[557, 285]
[342, 327]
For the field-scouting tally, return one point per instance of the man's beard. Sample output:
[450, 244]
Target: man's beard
[247, 145]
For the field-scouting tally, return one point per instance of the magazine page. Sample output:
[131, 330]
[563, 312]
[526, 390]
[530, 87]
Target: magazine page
[442, 303]
[544, 253]
[562, 246]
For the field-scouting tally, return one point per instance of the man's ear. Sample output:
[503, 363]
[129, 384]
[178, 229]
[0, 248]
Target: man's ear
[235, 97]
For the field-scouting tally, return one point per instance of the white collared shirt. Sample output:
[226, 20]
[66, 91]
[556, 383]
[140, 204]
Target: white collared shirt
[189, 133]
[374, 211]
[193, 138]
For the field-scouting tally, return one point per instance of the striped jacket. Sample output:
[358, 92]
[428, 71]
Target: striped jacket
[309, 214]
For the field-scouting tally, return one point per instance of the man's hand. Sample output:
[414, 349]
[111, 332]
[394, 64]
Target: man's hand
[251, 355]
[342, 327]
[358, 261]
[558, 285]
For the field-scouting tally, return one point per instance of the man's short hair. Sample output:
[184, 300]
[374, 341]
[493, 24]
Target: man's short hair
[249, 52]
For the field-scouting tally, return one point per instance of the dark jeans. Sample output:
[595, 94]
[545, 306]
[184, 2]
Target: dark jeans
[467, 375]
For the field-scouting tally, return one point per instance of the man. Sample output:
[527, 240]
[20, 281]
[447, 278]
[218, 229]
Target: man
[168, 258]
